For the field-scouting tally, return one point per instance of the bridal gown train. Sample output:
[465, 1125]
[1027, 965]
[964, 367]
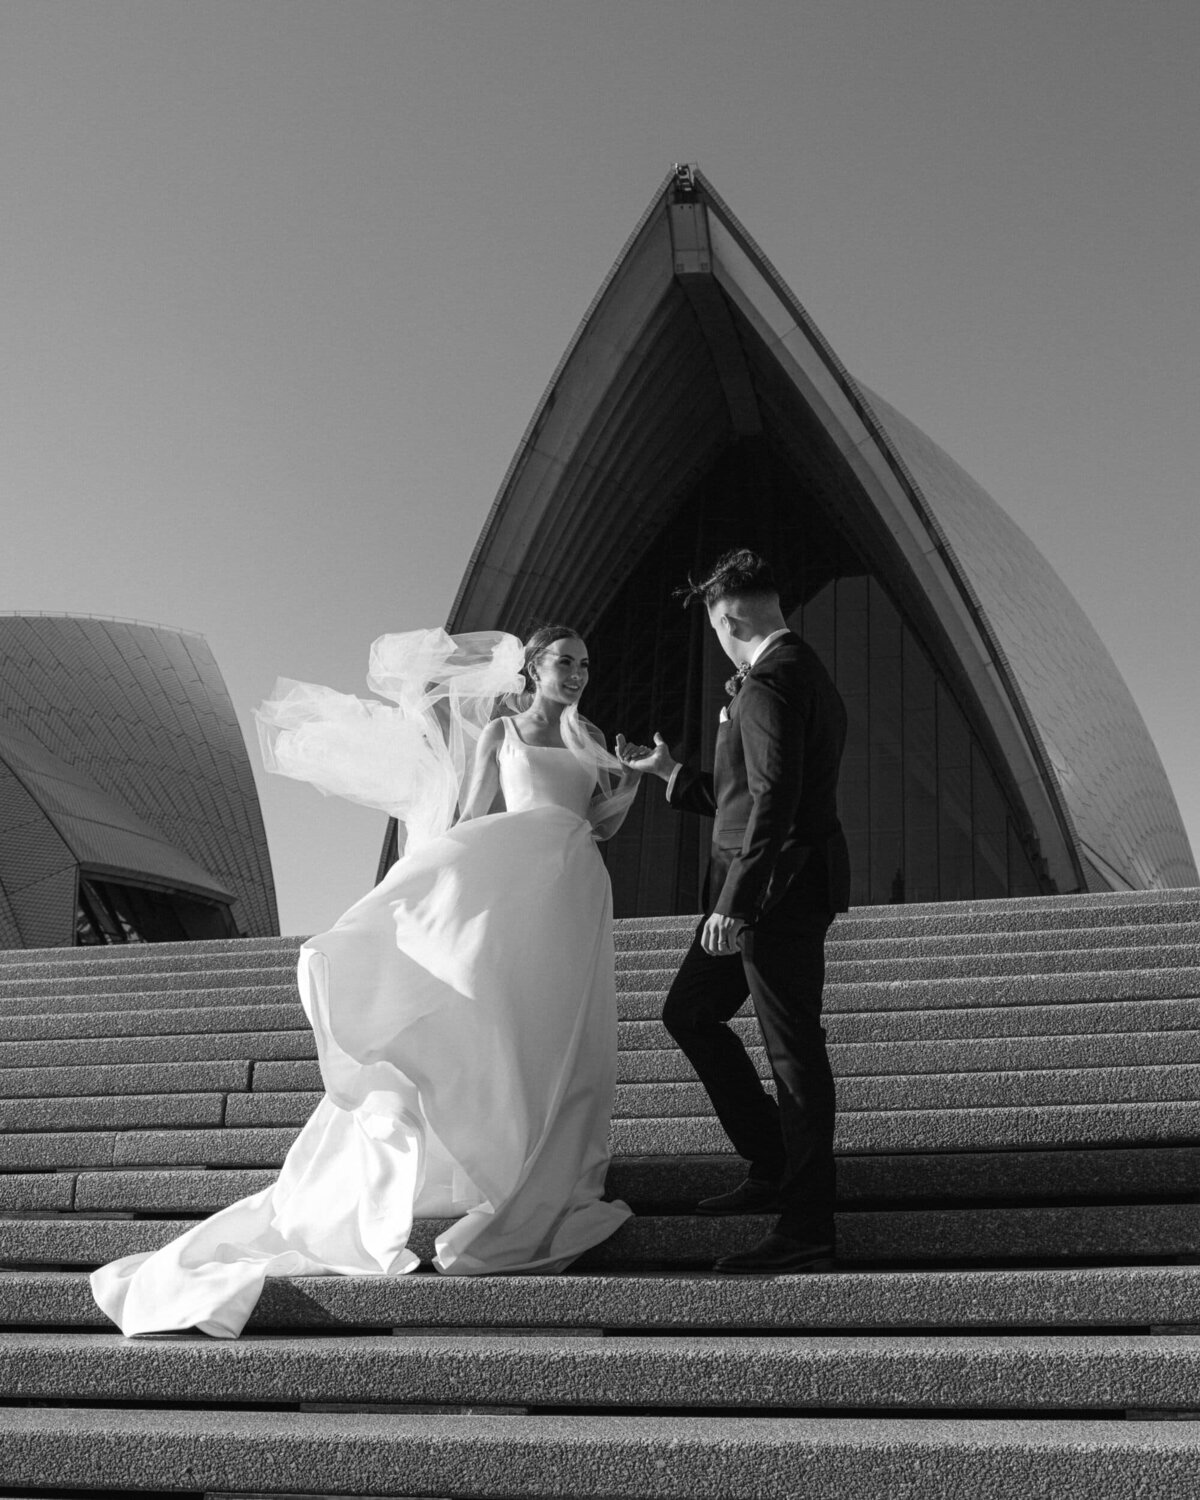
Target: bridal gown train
[465, 1020]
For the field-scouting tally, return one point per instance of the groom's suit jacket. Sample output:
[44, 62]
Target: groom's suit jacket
[773, 790]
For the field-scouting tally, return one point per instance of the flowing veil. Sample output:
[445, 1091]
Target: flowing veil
[413, 756]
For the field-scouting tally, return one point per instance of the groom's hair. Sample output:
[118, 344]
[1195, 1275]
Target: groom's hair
[740, 574]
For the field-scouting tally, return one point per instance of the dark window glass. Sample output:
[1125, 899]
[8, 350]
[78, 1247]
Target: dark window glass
[925, 816]
[110, 911]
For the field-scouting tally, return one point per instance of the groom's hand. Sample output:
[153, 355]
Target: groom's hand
[648, 760]
[720, 935]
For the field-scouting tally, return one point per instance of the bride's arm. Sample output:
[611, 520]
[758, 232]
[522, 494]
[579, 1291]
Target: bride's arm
[485, 778]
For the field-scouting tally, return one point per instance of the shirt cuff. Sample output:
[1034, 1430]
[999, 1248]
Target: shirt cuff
[674, 777]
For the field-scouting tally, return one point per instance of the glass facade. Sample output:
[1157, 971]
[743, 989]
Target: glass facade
[925, 815]
[110, 911]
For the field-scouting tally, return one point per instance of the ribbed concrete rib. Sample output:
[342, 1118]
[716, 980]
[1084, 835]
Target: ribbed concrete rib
[620, 1459]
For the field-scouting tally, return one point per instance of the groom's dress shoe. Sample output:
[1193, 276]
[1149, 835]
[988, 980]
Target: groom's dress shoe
[777, 1255]
[749, 1197]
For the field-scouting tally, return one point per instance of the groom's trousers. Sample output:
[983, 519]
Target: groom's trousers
[782, 967]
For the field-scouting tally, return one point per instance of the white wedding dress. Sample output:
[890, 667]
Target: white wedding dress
[465, 1019]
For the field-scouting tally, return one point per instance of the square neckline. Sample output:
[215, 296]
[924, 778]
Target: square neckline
[512, 733]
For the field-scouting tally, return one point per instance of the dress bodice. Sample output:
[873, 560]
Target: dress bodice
[542, 776]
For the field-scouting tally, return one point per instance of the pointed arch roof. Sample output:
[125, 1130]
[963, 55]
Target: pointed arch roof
[694, 341]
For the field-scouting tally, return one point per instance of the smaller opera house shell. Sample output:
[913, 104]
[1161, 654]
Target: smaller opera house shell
[128, 811]
[993, 748]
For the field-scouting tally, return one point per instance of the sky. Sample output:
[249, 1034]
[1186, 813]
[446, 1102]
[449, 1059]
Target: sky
[282, 281]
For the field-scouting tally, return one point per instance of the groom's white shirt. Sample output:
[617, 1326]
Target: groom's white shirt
[759, 652]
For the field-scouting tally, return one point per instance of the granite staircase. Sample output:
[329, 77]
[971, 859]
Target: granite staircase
[1018, 1312]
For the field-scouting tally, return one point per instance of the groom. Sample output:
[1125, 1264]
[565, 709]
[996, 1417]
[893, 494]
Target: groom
[778, 872]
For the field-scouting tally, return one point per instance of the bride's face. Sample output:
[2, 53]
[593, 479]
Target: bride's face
[561, 671]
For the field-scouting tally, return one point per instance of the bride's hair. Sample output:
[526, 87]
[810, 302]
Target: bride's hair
[542, 638]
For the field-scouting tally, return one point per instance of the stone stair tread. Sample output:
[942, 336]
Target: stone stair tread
[144, 981]
[880, 1132]
[1043, 1297]
[1156, 1173]
[899, 1236]
[987, 993]
[153, 1022]
[617, 1457]
[1141, 1016]
[235, 1033]
[112, 1112]
[870, 1059]
[241, 1046]
[913, 1094]
[108, 1079]
[640, 992]
[1057, 943]
[91, 999]
[864, 1132]
[865, 965]
[911, 1371]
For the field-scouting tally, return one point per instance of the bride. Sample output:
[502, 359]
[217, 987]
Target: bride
[464, 1010]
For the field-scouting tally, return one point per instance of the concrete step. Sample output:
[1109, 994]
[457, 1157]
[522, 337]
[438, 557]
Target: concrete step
[53, 1151]
[901, 1237]
[180, 1034]
[231, 1076]
[152, 995]
[1010, 914]
[935, 994]
[120, 1112]
[867, 966]
[71, 1052]
[906, 1093]
[659, 944]
[863, 1059]
[155, 1021]
[619, 1458]
[1142, 1298]
[641, 991]
[996, 1129]
[862, 1133]
[153, 953]
[286, 1060]
[1092, 959]
[1059, 941]
[639, 997]
[1026, 1372]
[654, 1184]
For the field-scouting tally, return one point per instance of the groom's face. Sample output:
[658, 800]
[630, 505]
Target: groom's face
[725, 627]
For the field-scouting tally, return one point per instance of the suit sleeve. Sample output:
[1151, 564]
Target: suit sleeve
[772, 728]
[692, 791]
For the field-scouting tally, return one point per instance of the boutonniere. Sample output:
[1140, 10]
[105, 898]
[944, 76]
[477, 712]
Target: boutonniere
[733, 685]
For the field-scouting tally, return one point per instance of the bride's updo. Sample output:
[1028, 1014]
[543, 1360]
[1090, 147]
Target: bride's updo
[541, 639]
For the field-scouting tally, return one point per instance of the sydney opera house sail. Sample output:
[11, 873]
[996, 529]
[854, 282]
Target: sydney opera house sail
[128, 811]
[994, 748]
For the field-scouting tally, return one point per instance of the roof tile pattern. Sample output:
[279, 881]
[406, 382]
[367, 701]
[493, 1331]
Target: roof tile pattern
[1116, 788]
[141, 714]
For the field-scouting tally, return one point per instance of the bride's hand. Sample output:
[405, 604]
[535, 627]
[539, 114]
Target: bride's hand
[627, 753]
[654, 760]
